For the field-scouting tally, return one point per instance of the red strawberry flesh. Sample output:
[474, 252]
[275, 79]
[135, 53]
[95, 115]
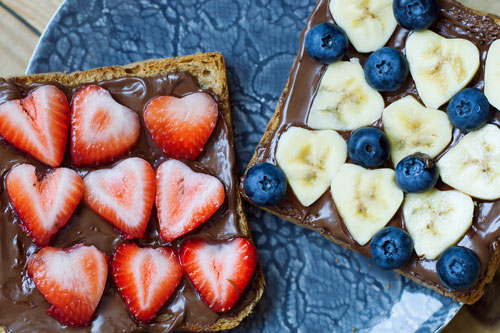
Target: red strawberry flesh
[71, 280]
[124, 195]
[38, 124]
[102, 130]
[185, 199]
[181, 126]
[43, 201]
[145, 278]
[220, 272]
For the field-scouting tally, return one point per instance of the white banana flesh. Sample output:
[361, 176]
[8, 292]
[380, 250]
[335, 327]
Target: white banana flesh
[310, 160]
[437, 220]
[344, 100]
[412, 128]
[492, 75]
[366, 199]
[368, 23]
[440, 67]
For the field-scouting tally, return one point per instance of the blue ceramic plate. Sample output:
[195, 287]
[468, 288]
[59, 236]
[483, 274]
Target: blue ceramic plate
[312, 285]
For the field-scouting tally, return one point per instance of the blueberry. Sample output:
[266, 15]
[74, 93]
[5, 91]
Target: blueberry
[415, 14]
[416, 173]
[469, 109]
[326, 43]
[458, 268]
[265, 184]
[391, 248]
[386, 69]
[369, 147]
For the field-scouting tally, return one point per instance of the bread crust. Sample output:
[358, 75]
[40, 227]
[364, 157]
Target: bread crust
[470, 298]
[210, 71]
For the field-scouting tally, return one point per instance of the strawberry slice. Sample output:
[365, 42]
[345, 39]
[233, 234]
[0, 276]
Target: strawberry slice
[44, 201]
[181, 126]
[101, 129]
[184, 198]
[124, 195]
[71, 280]
[37, 124]
[220, 272]
[145, 278]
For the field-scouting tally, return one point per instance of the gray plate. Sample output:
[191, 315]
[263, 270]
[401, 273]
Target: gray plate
[312, 285]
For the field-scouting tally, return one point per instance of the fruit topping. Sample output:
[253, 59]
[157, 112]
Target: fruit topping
[43, 200]
[473, 164]
[310, 160]
[440, 66]
[369, 147]
[437, 220]
[37, 124]
[415, 14]
[366, 199]
[145, 278]
[469, 109]
[369, 23]
[413, 128]
[417, 173]
[124, 195]
[492, 74]
[181, 126]
[386, 69]
[71, 280]
[458, 268]
[102, 130]
[185, 199]
[391, 248]
[344, 100]
[326, 43]
[219, 272]
[265, 184]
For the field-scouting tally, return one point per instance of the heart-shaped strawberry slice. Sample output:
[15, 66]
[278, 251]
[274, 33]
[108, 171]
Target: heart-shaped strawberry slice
[220, 272]
[181, 126]
[44, 201]
[101, 129]
[184, 198]
[38, 124]
[124, 195]
[71, 280]
[145, 278]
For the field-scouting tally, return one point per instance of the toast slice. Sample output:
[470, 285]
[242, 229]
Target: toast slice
[304, 80]
[209, 72]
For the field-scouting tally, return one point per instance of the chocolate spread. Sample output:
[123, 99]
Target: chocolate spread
[22, 307]
[455, 21]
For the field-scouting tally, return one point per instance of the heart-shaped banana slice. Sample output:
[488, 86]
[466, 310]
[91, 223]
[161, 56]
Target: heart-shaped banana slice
[368, 23]
[473, 165]
[344, 100]
[437, 220]
[492, 75]
[412, 128]
[366, 199]
[310, 159]
[440, 67]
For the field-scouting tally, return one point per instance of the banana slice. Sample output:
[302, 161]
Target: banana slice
[310, 159]
[492, 75]
[368, 23]
[473, 165]
[344, 100]
[413, 128]
[366, 199]
[440, 67]
[437, 220]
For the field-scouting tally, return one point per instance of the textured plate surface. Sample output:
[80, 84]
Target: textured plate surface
[312, 285]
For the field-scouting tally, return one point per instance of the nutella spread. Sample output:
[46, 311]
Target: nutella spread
[454, 21]
[22, 307]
